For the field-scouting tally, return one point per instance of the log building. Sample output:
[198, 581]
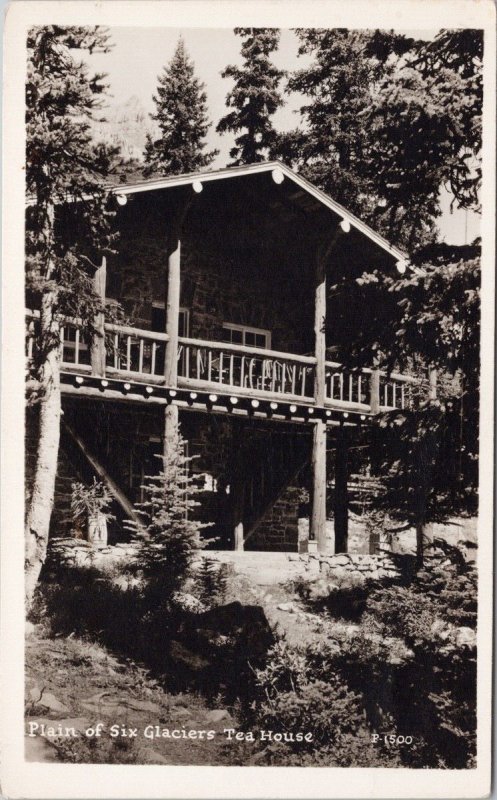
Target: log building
[223, 278]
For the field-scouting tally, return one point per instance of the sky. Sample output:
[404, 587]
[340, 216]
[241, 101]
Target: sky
[139, 55]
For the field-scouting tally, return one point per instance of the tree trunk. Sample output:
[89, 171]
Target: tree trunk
[42, 497]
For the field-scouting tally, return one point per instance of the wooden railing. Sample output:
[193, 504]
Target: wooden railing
[219, 366]
[135, 351]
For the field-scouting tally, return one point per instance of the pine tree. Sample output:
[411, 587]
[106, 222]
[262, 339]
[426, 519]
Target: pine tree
[388, 121]
[169, 535]
[181, 114]
[254, 97]
[62, 164]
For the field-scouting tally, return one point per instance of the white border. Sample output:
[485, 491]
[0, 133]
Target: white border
[20, 779]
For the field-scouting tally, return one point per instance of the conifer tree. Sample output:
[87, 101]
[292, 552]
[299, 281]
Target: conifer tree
[181, 115]
[64, 170]
[168, 532]
[254, 97]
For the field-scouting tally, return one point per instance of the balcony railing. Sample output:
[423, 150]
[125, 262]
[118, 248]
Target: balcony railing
[218, 366]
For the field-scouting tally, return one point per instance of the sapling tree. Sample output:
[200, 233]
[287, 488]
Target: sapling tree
[64, 171]
[168, 532]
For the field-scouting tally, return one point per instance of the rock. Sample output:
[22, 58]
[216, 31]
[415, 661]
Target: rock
[294, 557]
[47, 700]
[181, 713]
[465, 637]
[286, 607]
[143, 705]
[339, 561]
[217, 715]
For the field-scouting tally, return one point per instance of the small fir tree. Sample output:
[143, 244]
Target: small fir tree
[169, 534]
[181, 114]
[254, 97]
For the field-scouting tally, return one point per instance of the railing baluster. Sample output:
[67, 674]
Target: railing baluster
[140, 356]
[128, 352]
[152, 358]
[209, 366]
[76, 346]
[341, 386]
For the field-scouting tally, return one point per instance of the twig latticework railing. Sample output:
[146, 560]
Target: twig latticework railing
[219, 366]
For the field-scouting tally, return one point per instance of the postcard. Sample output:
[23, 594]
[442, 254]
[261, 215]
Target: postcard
[248, 299]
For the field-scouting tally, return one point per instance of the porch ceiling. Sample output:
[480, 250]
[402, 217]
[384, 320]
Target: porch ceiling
[245, 212]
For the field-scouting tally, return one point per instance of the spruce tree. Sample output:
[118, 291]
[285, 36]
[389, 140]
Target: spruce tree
[254, 97]
[181, 115]
[64, 170]
[167, 530]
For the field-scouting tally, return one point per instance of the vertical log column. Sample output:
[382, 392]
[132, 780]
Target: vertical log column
[318, 511]
[341, 492]
[171, 415]
[97, 349]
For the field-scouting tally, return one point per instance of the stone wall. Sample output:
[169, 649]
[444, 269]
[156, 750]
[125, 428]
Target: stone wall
[279, 528]
[213, 289]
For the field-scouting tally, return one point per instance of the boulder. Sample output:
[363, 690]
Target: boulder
[217, 715]
[286, 607]
[465, 637]
[47, 700]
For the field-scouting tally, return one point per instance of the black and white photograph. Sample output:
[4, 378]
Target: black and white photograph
[253, 441]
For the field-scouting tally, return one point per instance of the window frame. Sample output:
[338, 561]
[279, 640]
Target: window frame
[244, 329]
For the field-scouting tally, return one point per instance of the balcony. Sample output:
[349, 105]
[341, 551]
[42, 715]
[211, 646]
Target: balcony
[207, 366]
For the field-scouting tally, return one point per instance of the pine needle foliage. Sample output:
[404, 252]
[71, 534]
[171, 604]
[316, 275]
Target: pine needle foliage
[181, 115]
[254, 97]
[168, 531]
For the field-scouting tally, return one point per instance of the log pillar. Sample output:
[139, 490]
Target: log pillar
[318, 502]
[171, 415]
[341, 499]
[374, 391]
[97, 347]
[318, 509]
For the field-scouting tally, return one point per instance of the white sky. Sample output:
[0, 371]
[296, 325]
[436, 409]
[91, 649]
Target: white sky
[139, 55]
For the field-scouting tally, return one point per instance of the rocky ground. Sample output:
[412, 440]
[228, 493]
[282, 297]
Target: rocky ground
[72, 685]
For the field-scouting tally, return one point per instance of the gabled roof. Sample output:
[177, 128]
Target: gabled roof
[231, 173]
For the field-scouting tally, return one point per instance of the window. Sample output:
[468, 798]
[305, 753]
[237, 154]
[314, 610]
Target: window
[250, 337]
[159, 319]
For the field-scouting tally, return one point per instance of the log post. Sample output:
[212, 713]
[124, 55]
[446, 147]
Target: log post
[318, 507]
[97, 348]
[171, 415]
[433, 377]
[318, 510]
[374, 391]
[341, 499]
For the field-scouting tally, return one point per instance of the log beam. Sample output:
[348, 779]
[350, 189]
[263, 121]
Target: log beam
[97, 350]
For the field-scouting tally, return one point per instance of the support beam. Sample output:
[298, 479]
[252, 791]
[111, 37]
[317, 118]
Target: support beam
[374, 391]
[341, 499]
[320, 331]
[98, 359]
[433, 379]
[172, 310]
[318, 510]
[102, 473]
